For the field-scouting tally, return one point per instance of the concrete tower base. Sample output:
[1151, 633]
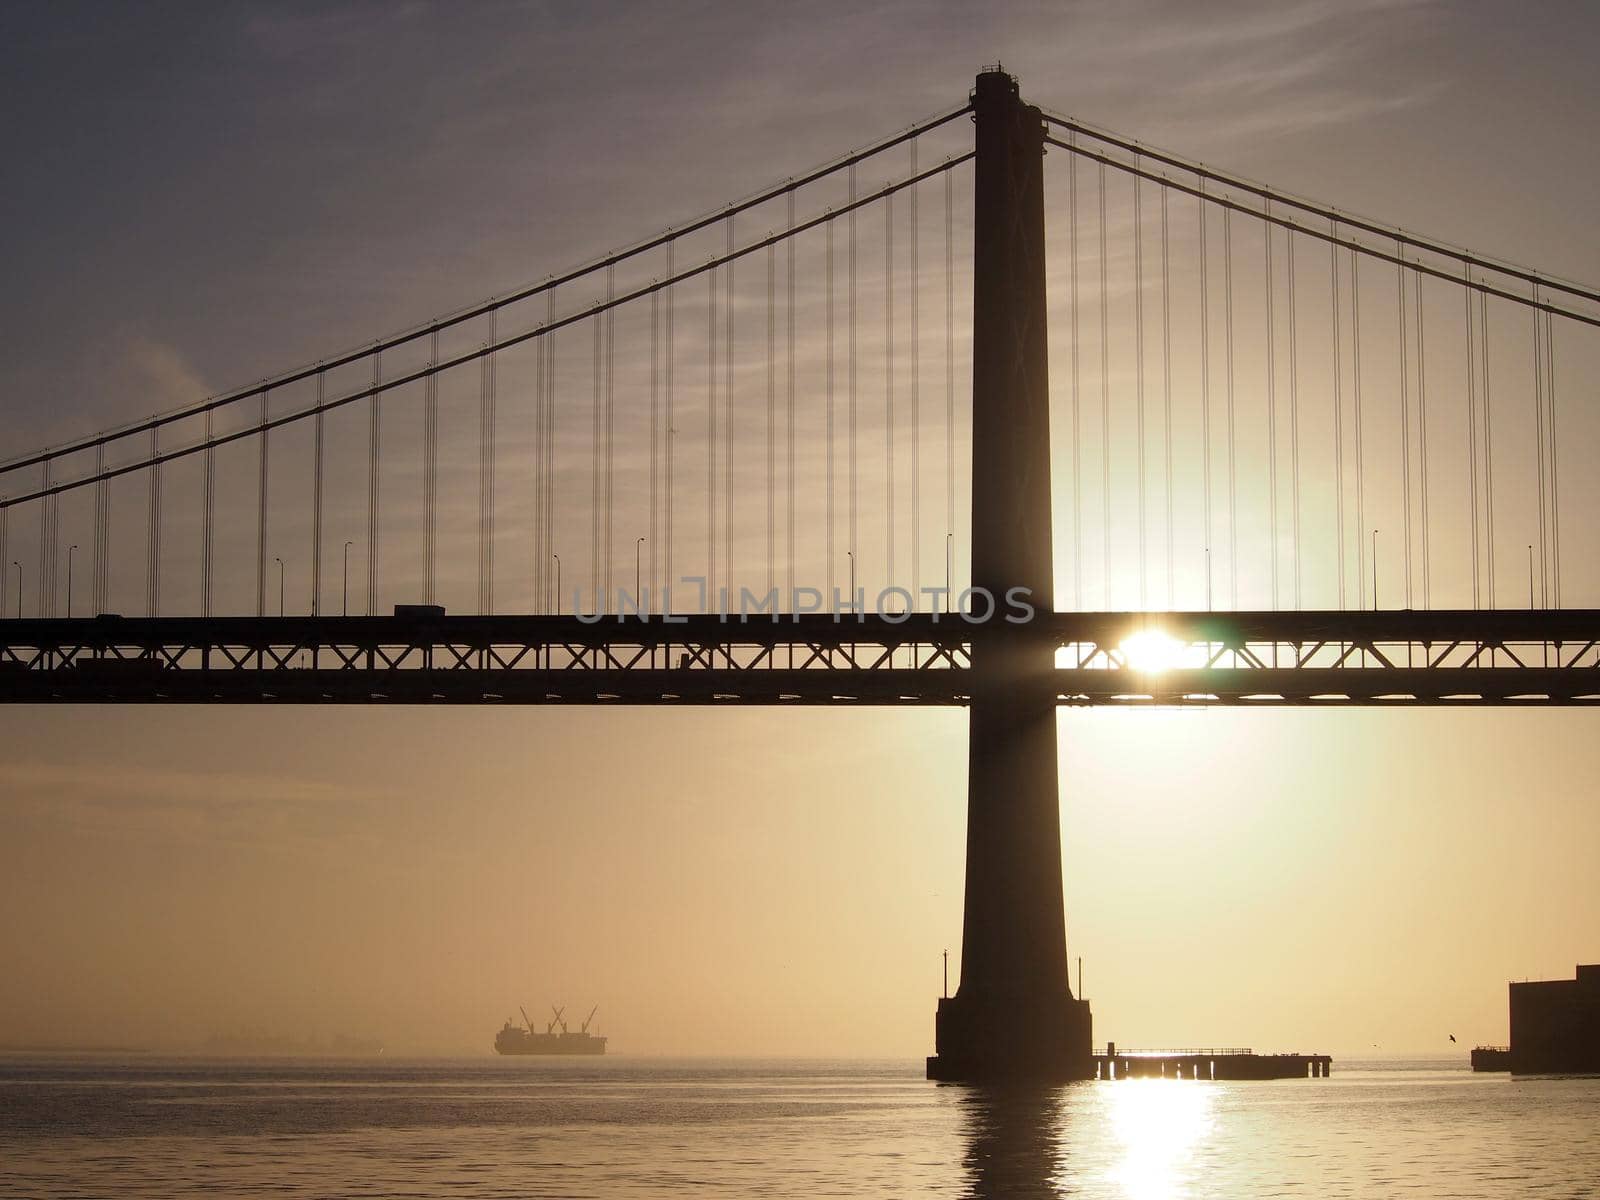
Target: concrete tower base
[999, 1040]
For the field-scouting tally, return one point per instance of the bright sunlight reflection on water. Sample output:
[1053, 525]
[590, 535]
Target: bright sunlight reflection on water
[1158, 1124]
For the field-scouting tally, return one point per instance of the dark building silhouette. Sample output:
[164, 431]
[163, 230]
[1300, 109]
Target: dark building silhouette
[1555, 1025]
[1013, 1015]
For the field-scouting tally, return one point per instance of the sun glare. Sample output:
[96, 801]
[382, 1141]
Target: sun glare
[1151, 650]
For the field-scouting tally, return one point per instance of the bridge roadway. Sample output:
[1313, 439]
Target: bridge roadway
[1314, 658]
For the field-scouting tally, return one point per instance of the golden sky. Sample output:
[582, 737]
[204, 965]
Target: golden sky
[263, 188]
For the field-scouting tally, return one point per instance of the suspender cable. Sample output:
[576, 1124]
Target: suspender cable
[261, 516]
[49, 517]
[1138, 380]
[1205, 391]
[855, 547]
[549, 499]
[728, 431]
[1422, 439]
[490, 452]
[102, 532]
[55, 548]
[1166, 381]
[1355, 400]
[950, 380]
[1539, 447]
[711, 438]
[916, 399]
[316, 506]
[828, 402]
[156, 515]
[541, 552]
[888, 388]
[1105, 406]
[788, 443]
[1077, 440]
[1472, 435]
[1338, 415]
[1294, 419]
[1230, 380]
[1272, 413]
[374, 480]
[1555, 459]
[772, 418]
[653, 533]
[1405, 423]
[430, 472]
[608, 557]
[671, 436]
[599, 582]
[486, 497]
[1488, 445]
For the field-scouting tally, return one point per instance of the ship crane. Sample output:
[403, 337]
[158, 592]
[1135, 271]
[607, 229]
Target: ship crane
[525, 1020]
[558, 1021]
[589, 1018]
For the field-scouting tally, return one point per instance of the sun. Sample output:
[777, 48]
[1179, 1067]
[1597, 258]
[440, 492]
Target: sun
[1151, 651]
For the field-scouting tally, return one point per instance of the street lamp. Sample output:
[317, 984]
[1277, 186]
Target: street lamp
[346, 605]
[279, 561]
[851, 555]
[72, 549]
[557, 557]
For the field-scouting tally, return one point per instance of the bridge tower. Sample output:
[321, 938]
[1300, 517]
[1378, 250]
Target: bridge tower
[1013, 1015]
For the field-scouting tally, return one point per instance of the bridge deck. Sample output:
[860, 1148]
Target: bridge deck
[1324, 659]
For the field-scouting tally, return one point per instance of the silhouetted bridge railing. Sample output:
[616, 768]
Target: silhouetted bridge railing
[1325, 659]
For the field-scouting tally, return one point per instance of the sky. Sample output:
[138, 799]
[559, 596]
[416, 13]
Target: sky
[205, 194]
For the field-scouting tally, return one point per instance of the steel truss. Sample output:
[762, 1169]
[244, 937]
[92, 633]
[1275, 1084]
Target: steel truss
[1324, 659]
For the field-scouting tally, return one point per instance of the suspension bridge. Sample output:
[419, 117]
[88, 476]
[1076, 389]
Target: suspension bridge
[1285, 456]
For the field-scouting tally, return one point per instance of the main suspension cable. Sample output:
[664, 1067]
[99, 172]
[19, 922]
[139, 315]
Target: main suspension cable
[551, 326]
[1324, 212]
[1362, 248]
[462, 316]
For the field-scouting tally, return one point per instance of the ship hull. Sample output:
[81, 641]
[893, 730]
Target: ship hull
[517, 1042]
[554, 1050]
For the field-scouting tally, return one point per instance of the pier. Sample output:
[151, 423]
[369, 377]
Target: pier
[1229, 1062]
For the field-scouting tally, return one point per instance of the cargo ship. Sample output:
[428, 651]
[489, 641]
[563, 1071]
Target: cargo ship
[524, 1039]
